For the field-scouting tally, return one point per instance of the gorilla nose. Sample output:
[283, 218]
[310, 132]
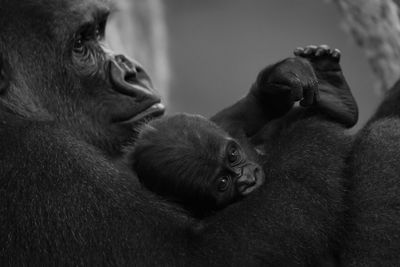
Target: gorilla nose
[251, 179]
[246, 180]
[246, 186]
[131, 79]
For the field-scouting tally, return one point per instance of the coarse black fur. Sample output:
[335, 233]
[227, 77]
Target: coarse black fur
[373, 217]
[66, 112]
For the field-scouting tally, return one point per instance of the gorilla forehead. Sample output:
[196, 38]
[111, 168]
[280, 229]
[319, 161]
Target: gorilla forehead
[84, 11]
[46, 21]
[54, 13]
[62, 5]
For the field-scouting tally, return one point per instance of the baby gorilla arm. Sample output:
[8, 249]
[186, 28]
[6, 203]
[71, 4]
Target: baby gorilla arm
[314, 77]
[273, 94]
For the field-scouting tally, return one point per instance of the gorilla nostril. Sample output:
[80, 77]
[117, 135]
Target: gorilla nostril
[130, 77]
[133, 73]
[138, 69]
[252, 180]
[126, 80]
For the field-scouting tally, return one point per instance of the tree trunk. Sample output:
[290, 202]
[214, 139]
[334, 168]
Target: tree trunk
[375, 25]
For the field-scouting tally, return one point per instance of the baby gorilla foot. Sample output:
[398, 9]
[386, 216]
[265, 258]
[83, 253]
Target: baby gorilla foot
[277, 87]
[335, 98]
[322, 57]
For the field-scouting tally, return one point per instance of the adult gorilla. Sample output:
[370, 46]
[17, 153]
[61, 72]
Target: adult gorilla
[373, 218]
[67, 109]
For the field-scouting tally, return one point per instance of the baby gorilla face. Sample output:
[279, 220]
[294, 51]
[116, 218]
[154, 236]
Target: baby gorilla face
[191, 160]
[236, 175]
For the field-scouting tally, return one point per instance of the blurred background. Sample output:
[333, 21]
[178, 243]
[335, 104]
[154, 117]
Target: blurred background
[204, 55]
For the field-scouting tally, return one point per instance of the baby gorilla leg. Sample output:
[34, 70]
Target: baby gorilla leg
[335, 98]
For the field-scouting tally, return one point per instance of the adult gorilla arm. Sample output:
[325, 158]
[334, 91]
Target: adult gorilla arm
[373, 217]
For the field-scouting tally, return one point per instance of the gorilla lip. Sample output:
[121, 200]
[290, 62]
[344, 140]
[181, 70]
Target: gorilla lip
[155, 110]
[259, 179]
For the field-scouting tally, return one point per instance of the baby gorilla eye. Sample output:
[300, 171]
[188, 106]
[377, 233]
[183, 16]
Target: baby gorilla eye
[79, 45]
[98, 33]
[233, 154]
[223, 183]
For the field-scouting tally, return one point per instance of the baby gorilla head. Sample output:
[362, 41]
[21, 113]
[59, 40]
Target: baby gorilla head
[191, 160]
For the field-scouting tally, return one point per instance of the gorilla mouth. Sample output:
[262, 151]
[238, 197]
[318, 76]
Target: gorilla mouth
[154, 111]
[259, 179]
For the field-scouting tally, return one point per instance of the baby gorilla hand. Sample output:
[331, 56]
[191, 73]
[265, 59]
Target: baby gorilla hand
[335, 98]
[280, 85]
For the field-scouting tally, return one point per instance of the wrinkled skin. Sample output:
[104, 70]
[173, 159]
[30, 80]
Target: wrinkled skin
[67, 109]
[97, 93]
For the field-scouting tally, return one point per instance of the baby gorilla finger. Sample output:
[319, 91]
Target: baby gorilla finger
[296, 92]
[310, 93]
[308, 97]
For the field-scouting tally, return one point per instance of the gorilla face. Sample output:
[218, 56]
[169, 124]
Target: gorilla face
[73, 77]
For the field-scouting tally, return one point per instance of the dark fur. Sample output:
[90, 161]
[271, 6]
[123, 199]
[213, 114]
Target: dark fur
[170, 150]
[66, 199]
[181, 157]
[373, 222]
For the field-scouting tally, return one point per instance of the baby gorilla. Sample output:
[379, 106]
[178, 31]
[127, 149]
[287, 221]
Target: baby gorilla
[192, 161]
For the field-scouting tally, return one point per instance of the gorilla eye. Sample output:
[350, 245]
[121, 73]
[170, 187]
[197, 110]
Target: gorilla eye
[233, 154]
[88, 34]
[100, 29]
[98, 34]
[223, 183]
[79, 45]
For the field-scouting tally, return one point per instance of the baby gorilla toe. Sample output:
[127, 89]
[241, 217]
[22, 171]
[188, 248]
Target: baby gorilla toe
[321, 52]
[322, 57]
[335, 98]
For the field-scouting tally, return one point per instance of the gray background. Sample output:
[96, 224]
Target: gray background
[218, 46]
